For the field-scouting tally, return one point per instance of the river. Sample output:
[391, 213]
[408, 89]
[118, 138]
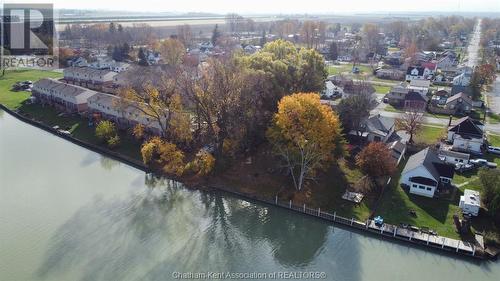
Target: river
[67, 213]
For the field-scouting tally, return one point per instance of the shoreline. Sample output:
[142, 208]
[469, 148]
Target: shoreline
[386, 232]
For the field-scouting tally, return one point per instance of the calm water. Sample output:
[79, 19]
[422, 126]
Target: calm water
[70, 214]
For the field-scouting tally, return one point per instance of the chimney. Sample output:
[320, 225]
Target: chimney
[449, 123]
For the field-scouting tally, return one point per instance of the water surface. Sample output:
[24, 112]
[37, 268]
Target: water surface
[67, 213]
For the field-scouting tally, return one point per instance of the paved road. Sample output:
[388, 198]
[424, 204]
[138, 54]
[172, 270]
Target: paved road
[473, 48]
[493, 97]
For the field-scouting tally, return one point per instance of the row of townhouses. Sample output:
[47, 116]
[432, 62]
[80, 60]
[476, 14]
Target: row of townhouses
[76, 99]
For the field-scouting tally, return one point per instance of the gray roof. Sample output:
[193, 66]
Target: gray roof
[458, 96]
[379, 124]
[429, 159]
[455, 154]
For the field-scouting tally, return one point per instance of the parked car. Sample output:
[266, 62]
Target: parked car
[463, 167]
[483, 163]
[494, 150]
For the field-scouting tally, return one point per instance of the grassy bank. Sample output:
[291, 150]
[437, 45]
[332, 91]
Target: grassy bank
[13, 99]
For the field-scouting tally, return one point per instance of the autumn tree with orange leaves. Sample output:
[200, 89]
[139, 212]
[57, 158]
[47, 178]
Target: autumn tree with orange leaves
[375, 160]
[306, 134]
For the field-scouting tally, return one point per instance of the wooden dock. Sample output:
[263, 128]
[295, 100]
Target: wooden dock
[389, 231]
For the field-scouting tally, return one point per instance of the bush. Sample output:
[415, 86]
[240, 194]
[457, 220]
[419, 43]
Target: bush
[105, 130]
[202, 164]
[113, 141]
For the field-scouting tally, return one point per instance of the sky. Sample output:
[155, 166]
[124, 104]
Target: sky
[276, 6]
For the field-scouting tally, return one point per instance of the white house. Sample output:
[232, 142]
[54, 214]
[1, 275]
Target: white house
[415, 73]
[88, 75]
[119, 66]
[331, 90]
[470, 202]
[466, 134]
[453, 157]
[462, 80]
[102, 63]
[419, 86]
[425, 172]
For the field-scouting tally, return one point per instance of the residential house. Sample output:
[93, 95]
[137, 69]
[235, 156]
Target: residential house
[429, 68]
[466, 134]
[123, 114]
[453, 157]
[77, 62]
[119, 66]
[377, 128]
[424, 173]
[415, 100]
[459, 104]
[470, 202]
[88, 77]
[398, 150]
[351, 88]
[461, 84]
[153, 57]
[419, 86]
[397, 94]
[331, 91]
[415, 73]
[102, 63]
[251, 49]
[392, 74]
[67, 97]
[446, 62]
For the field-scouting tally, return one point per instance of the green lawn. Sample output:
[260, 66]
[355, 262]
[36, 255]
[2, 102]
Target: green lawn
[13, 100]
[79, 128]
[437, 214]
[381, 89]
[429, 134]
[347, 68]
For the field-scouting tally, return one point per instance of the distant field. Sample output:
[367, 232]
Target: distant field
[12, 99]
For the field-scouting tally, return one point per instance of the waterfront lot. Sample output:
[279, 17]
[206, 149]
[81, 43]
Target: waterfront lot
[13, 99]
[78, 126]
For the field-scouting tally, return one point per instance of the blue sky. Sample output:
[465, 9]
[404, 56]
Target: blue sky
[274, 6]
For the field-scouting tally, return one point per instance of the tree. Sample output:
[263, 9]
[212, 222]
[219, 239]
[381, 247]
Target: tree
[375, 160]
[163, 107]
[202, 164]
[165, 154]
[371, 37]
[333, 51]
[490, 195]
[353, 110]
[410, 122]
[105, 130]
[185, 35]
[143, 60]
[216, 34]
[306, 134]
[263, 39]
[172, 51]
[138, 131]
[312, 71]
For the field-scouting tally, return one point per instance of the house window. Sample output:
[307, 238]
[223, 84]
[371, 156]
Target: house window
[429, 189]
[421, 187]
[445, 180]
[414, 185]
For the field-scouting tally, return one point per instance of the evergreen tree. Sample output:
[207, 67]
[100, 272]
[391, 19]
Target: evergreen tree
[263, 40]
[216, 34]
[143, 60]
